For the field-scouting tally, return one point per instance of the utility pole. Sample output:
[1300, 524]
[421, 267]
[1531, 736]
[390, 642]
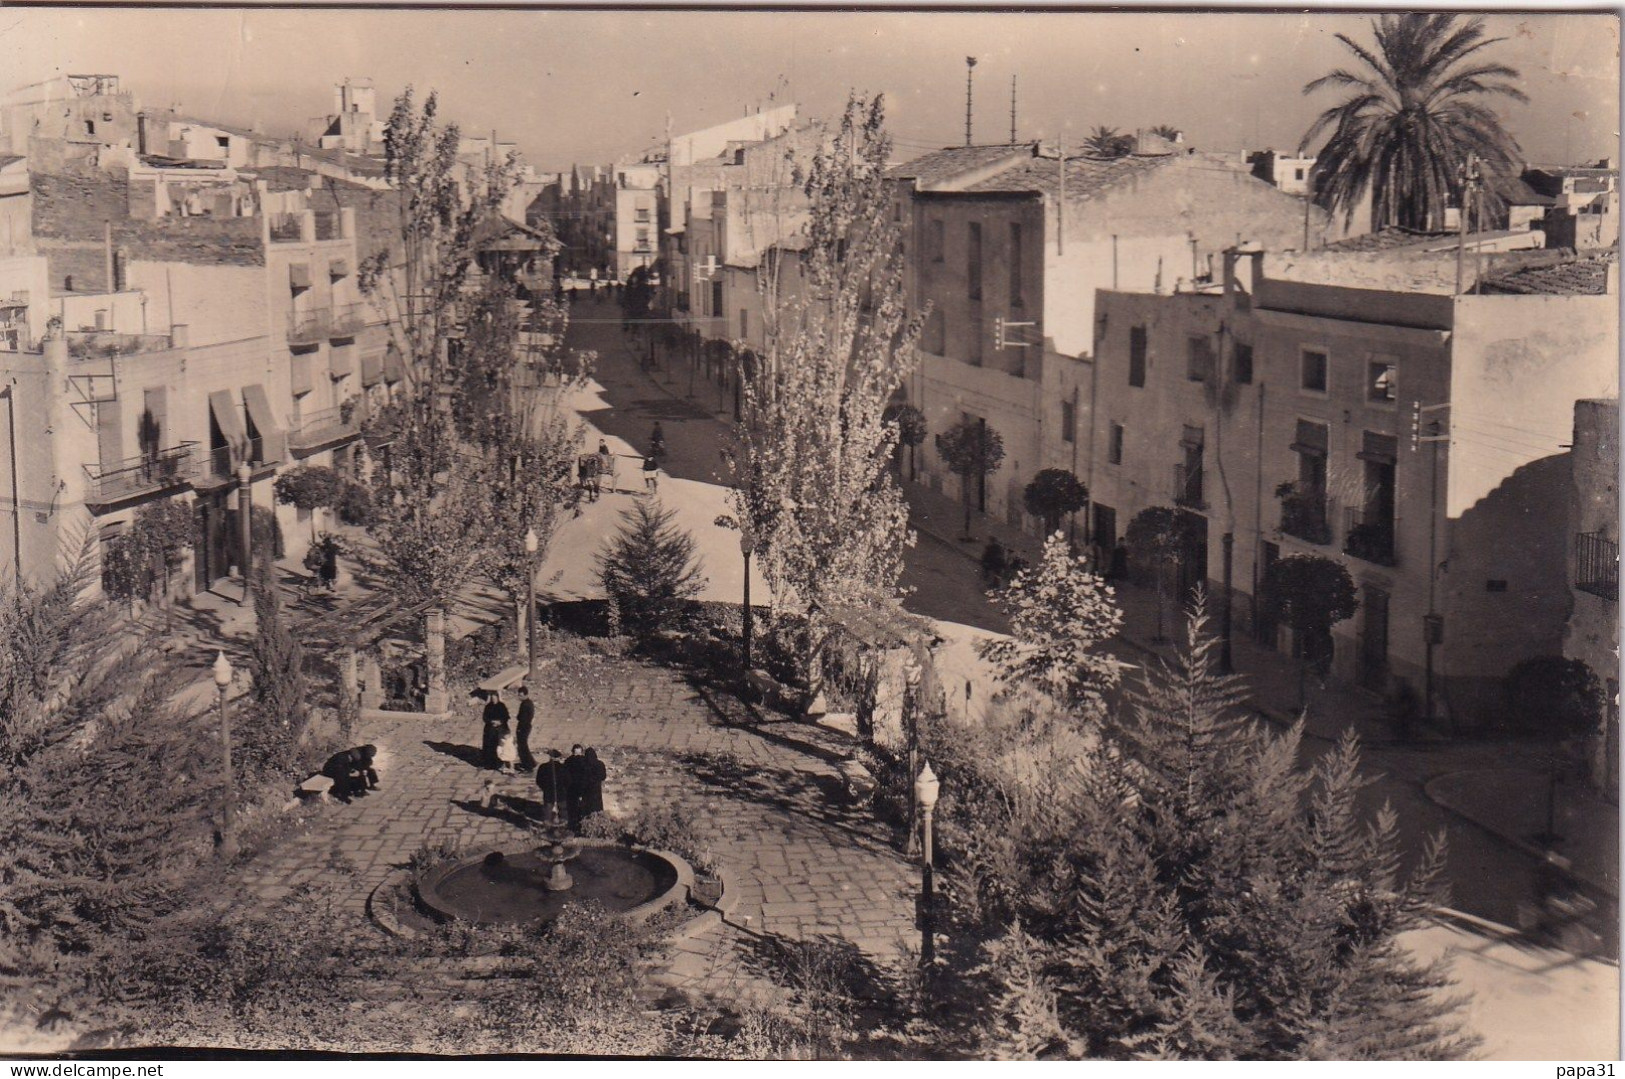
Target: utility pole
[1469, 182]
[1060, 201]
[970, 70]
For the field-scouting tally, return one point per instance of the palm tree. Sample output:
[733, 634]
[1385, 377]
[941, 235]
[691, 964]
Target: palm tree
[1411, 122]
[1108, 142]
[1166, 131]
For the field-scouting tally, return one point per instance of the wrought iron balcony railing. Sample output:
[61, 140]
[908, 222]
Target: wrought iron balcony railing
[322, 428]
[1370, 537]
[1188, 488]
[149, 473]
[308, 327]
[1596, 565]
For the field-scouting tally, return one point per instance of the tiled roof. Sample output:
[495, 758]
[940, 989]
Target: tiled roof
[947, 163]
[1386, 240]
[1086, 177]
[1585, 277]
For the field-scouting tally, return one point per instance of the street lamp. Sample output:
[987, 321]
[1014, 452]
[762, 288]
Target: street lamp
[532, 544]
[926, 788]
[245, 511]
[228, 838]
[746, 546]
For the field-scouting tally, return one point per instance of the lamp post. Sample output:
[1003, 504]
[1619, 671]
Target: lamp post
[926, 787]
[532, 544]
[228, 837]
[911, 731]
[746, 546]
[245, 511]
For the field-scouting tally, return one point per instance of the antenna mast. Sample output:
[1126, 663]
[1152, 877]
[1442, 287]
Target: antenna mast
[1012, 110]
[970, 70]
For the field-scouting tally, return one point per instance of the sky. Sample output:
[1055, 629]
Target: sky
[593, 86]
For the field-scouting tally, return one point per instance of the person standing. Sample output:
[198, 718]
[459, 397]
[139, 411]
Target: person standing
[606, 462]
[576, 779]
[507, 748]
[552, 781]
[651, 474]
[592, 791]
[657, 442]
[526, 717]
[495, 718]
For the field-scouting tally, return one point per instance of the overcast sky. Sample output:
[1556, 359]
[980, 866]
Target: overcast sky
[593, 86]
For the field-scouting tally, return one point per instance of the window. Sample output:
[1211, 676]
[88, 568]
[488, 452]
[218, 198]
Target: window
[1114, 451]
[1297, 174]
[1596, 565]
[933, 337]
[973, 263]
[223, 142]
[1136, 356]
[90, 127]
[1069, 422]
[1379, 380]
[1015, 264]
[1312, 371]
[1198, 357]
[1244, 364]
[933, 240]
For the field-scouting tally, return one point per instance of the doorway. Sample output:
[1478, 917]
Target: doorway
[1265, 629]
[1373, 672]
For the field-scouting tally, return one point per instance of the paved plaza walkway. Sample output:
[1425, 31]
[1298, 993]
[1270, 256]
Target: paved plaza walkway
[799, 862]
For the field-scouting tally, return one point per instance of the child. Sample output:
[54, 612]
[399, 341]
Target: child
[507, 748]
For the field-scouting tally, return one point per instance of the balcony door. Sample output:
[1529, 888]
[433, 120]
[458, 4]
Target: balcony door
[1373, 672]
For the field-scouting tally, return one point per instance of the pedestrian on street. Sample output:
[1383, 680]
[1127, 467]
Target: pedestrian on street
[495, 717]
[1119, 570]
[527, 716]
[993, 562]
[592, 791]
[606, 461]
[575, 782]
[657, 442]
[651, 474]
[588, 467]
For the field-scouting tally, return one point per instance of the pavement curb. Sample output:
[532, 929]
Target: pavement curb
[1434, 795]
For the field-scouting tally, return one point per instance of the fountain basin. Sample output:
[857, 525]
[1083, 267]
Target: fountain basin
[496, 887]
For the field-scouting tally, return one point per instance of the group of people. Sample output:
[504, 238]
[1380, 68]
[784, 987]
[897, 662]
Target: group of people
[593, 467]
[573, 785]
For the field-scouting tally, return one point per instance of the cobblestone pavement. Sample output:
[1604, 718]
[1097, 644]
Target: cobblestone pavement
[800, 862]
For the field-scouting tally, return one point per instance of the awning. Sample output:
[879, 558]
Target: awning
[338, 268]
[1192, 438]
[230, 422]
[1379, 449]
[273, 439]
[299, 274]
[299, 373]
[1311, 439]
[341, 361]
[394, 369]
[372, 367]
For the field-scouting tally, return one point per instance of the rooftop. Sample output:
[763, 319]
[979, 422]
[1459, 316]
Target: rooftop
[949, 162]
[1086, 177]
[1580, 277]
[1387, 239]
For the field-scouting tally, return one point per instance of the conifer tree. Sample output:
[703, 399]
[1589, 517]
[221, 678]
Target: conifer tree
[649, 570]
[1220, 900]
[271, 736]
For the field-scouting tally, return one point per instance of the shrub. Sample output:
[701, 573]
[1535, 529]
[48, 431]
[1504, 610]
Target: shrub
[1555, 697]
[658, 828]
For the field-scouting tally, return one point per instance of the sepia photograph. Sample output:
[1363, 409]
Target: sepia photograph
[712, 534]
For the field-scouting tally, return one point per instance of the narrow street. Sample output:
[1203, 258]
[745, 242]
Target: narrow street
[1490, 876]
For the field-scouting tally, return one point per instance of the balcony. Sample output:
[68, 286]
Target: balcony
[286, 228]
[93, 344]
[154, 473]
[1187, 490]
[1596, 565]
[1305, 513]
[1370, 537]
[321, 430]
[306, 328]
[348, 320]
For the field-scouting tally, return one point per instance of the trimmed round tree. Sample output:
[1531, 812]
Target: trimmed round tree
[911, 430]
[971, 450]
[309, 488]
[1053, 494]
[1158, 538]
[1311, 594]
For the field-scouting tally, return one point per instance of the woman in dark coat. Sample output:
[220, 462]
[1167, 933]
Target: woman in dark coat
[592, 788]
[495, 718]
